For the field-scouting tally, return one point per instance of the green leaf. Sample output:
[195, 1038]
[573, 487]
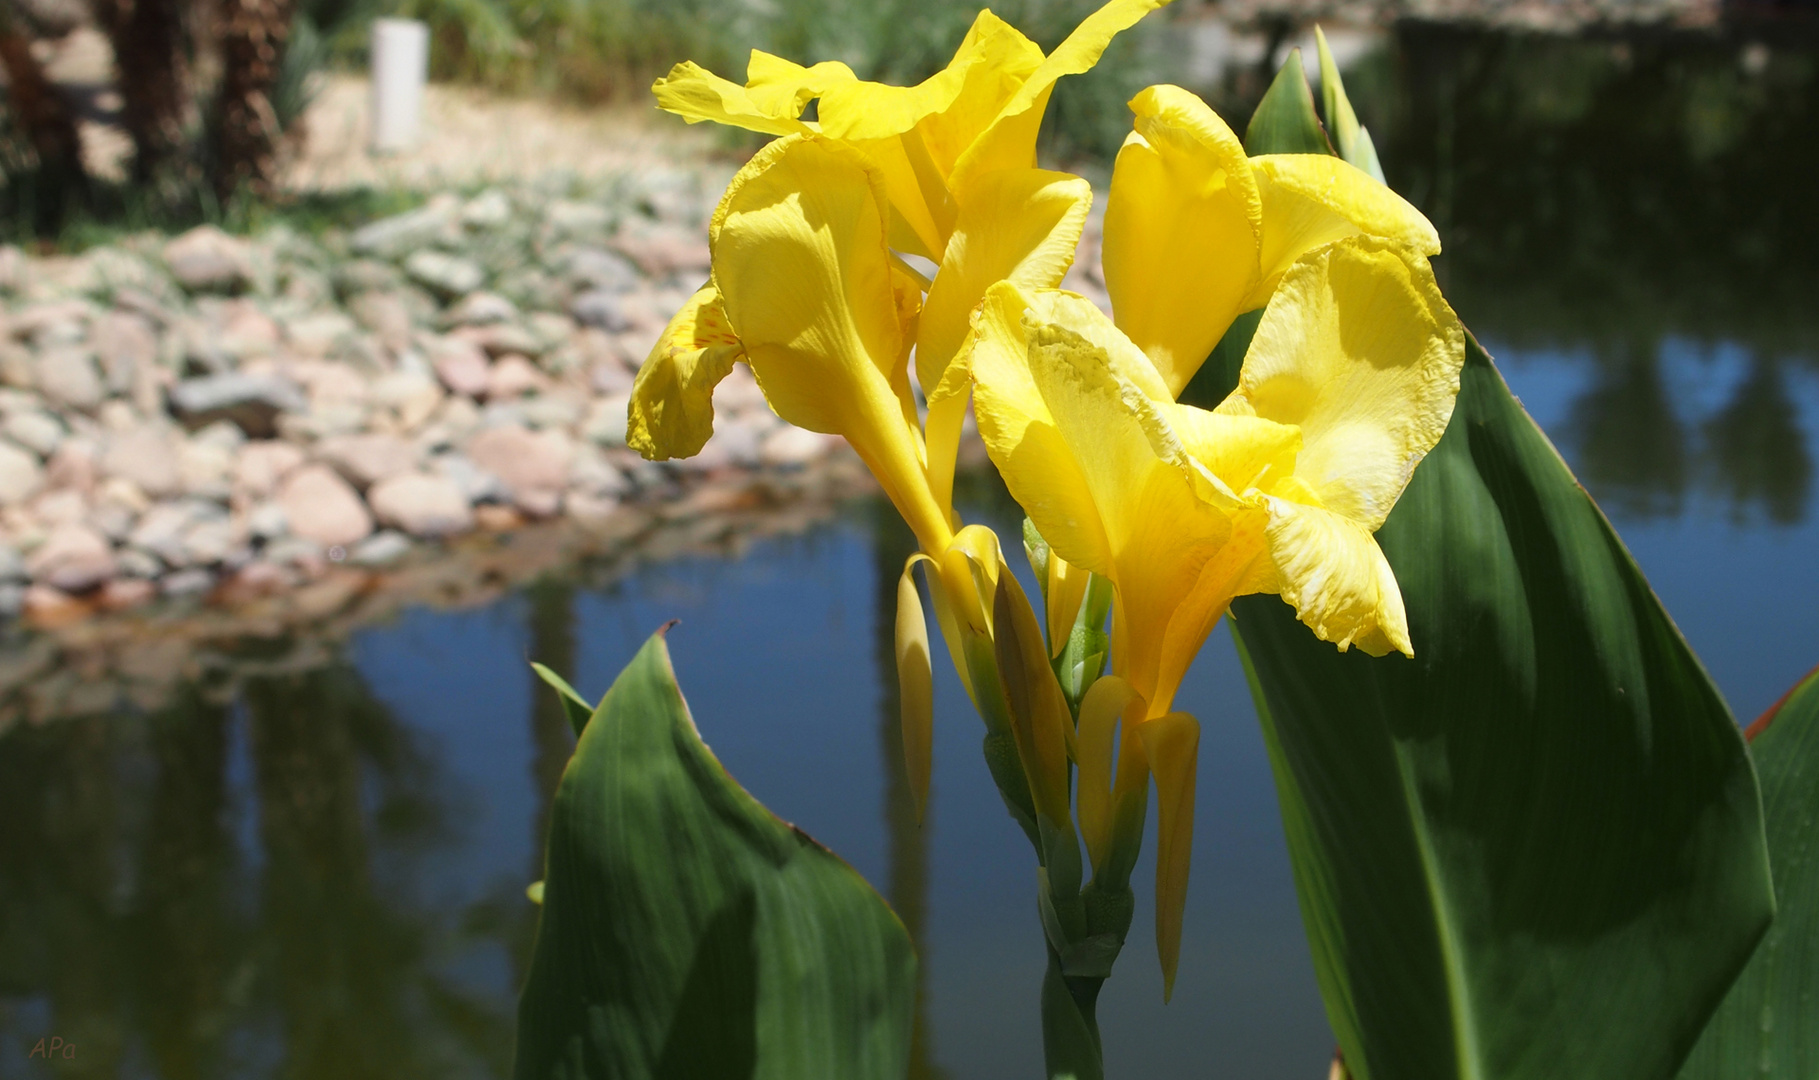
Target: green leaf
[575, 706]
[1536, 849]
[688, 933]
[1349, 137]
[1285, 121]
[1768, 1025]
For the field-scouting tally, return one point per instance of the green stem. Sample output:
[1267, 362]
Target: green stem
[1070, 1030]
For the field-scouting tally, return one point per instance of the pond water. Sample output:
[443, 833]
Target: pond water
[323, 877]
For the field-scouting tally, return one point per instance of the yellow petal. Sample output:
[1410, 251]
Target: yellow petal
[782, 87]
[1331, 569]
[1172, 743]
[672, 407]
[1039, 714]
[1078, 426]
[696, 94]
[915, 686]
[1182, 232]
[1108, 701]
[1009, 141]
[1314, 199]
[1017, 225]
[1361, 352]
[801, 262]
[1066, 589]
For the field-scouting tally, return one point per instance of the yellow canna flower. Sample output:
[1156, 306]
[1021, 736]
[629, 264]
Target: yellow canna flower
[1349, 382]
[1196, 233]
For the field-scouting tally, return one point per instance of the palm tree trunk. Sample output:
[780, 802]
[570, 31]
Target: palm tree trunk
[150, 52]
[48, 125]
[254, 34]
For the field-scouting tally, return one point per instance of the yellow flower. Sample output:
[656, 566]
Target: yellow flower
[1196, 234]
[1349, 382]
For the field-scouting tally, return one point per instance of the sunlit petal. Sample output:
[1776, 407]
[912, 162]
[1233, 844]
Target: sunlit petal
[1361, 352]
[672, 408]
[1314, 199]
[772, 102]
[1331, 569]
[1182, 231]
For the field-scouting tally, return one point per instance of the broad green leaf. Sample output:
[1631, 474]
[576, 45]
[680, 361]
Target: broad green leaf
[1768, 1025]
[1536, 849]
[574, 706]
[688, 933]
[1285, 121]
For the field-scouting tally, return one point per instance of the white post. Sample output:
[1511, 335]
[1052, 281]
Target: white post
[400, 66]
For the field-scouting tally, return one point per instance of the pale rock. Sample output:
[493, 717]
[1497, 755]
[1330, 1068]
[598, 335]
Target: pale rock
[56, 508]
[124, 343]
[411, 396]
[135, 562]
[462, 366]
[117, 415]
[12, 564]
[191, 582]
[35, 430]
[607, 420]
[46, 605]
[560, 408]
[262, 464]
[319, 333]
[792, 447]
[392, 237]
[538, 502]
[113, 520]
[68, 377]
[223, 434]
[514, 376]
[330, 383]
[475, 484]
[532, 465]
[662, 250]
[12, 605]
[590, 509]
[207, 469]
[161, 529]
[267, 522]
[738, 440]
[206, 259]
[13, 268]
[209, 542]
[552, 328]
[123, 491]
[251, 402]
[321, 506]
[597, 268]
[380, 549]
[20, 475]
[73, 558]
[445, 274]
[17, 366]
[422, 505]
[488, 210]
[567, 218]
[75, 464]
[298, 551]
[35, 320]
[738, 392]
[609, 375]
[146, 455]
[591, 472]
[480, 309]
[601, 308]
[366, 459]
[385, 313]
[500, 339]
[242, 331]
[123, 593]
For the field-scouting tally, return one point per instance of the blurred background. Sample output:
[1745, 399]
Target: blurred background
[306, 449]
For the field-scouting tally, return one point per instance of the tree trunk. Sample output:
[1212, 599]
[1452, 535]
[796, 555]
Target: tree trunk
[150, 50]
[47, 123]
[254, 33]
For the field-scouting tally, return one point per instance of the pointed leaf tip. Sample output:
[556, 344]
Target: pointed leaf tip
[574, 706]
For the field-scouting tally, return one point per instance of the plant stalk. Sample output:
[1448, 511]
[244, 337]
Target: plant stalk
[1070, 1030]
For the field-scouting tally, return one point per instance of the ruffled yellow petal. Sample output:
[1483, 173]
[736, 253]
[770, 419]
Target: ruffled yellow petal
[1182, 231]
[806, 278]
[1330, 568]
[1009, 141]
[1314, 199]
[672, 407]
[1078, 426]
[1018, 225]
[1172, 743]
[1361, 352]
[771, 102]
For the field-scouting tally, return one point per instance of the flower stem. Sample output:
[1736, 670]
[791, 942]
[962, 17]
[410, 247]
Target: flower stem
[1070, 1030]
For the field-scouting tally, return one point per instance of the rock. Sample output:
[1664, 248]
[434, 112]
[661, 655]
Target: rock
[532, 465]
[502, 339]
[113, 520]
[73, 558]
[12, 564]
[12, 599]
[601, 308]
[568, 218]
[13, 268]
[124, 343]
[205, 259]
[591, 472]
[554, 329]
[607, 420]
[118, 416]
[440, 272]
[422, 505]
[60, 507]
[380, 549]
[208, 543]
[588, 508]
[320, 506]
[192, 582]
[792, 447]
[207, 469]
[597, 268]
[139, 563]
[241, 331]
[412, 397]
[21, 476]
[462, 366]
[47, 605]
[487, 210]
[35, 430]
[144, 454]
[480, 308]
[262, 464]
[75, 464]
[321, 333]
[68, 377]
[514, 376]
[267, 522]
[223, 434]
[161, 530]
[123, 593]
[475, 484]
[392, 237]
[251, 401]
[662, 250]
[610, 376]
[298, 551]
[368, 458]
[491, 517]
[125, 492]
[17, 366]
[559, 408]
[385, 313]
